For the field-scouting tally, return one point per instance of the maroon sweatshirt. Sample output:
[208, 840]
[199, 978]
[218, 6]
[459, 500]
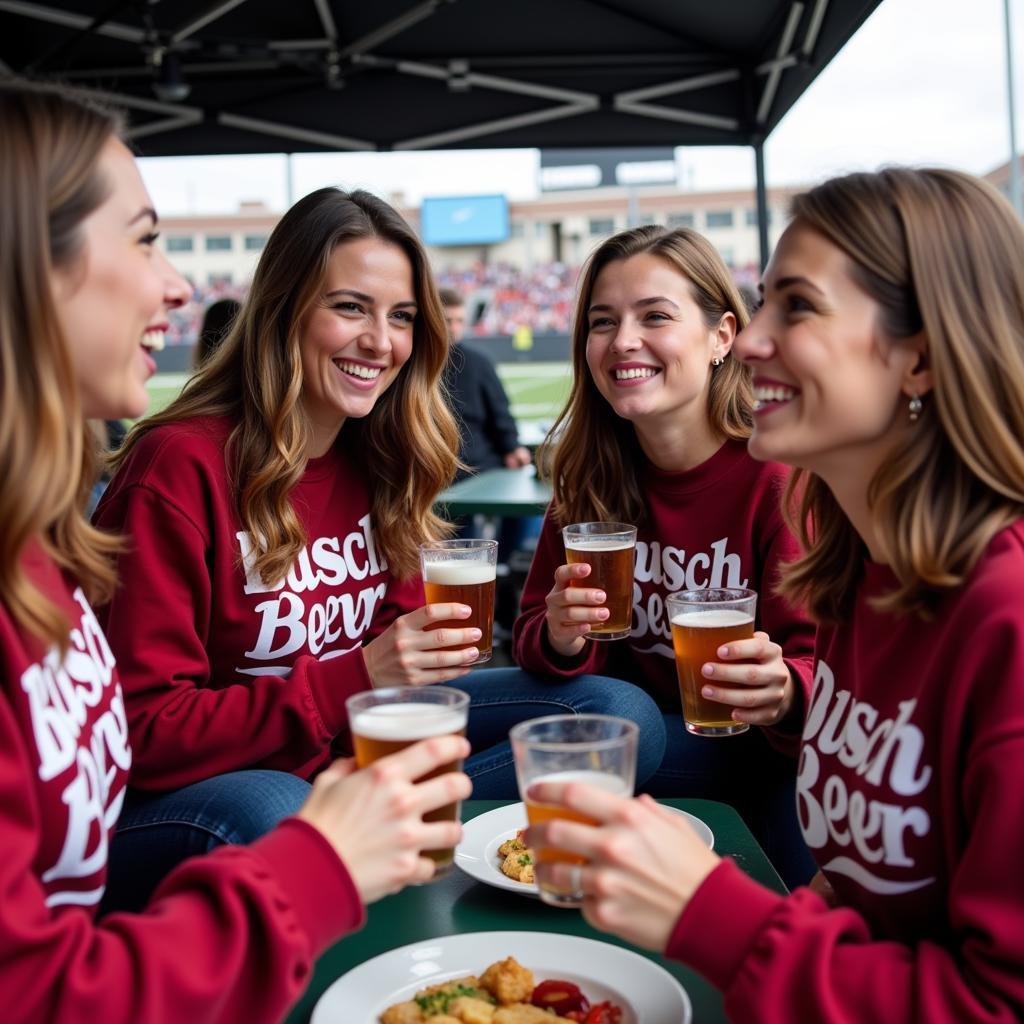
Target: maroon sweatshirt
[911, 797]
[220, 671]
[716, 525]
[230, 937]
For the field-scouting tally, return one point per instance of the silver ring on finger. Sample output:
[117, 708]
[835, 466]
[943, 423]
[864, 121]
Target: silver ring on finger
[576, 879]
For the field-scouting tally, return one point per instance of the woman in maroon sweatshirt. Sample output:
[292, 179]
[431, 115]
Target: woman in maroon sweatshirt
[888, 362]
[230, 937]
[654, 434]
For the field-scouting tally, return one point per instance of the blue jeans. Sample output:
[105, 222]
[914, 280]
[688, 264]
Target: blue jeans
[156, 832]
[503, 697]
[748, 773]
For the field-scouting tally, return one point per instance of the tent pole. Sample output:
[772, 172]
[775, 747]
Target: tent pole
[762, 204]
[1014, 165]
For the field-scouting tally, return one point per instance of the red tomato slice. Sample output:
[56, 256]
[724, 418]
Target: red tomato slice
[603, 1013]
[561, 996]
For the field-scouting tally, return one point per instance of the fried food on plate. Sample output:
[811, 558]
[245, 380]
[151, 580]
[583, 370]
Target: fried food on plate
[509, 981]
[501, 995]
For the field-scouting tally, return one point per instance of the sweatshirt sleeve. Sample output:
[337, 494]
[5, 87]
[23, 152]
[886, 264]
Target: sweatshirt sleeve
[781, 959]
[229, 937]
[531, 648]
[186, 725]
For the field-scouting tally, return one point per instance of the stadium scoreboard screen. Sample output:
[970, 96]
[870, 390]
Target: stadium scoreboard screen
[464, 220]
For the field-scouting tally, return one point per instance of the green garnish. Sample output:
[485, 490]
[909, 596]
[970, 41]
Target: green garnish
[438, 1002]
[525, 859]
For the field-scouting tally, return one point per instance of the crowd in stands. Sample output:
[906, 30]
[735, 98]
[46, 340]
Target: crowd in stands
[184, 323]
[540, 297]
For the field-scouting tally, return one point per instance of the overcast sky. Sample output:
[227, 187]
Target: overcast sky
[923, 81]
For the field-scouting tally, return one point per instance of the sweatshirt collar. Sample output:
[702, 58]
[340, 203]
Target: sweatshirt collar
[706, 474]
[324, 465]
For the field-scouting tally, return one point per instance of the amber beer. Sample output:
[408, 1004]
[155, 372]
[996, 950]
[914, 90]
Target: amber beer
[537, 814]
[596, 749]
[463, 572]
[470, 583]
[386, 721]
[608, 549]
[699, 628]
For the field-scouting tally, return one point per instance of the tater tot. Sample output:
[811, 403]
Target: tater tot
[402, 1013]
[508, 980]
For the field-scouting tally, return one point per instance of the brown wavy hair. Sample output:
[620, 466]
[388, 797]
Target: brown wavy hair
[50, 181]
[593, 454]
[943, 253]
[407, 445]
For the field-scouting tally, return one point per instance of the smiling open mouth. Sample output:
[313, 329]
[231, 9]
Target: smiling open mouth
[766, 396]
[637, 373]
[355, 370]
[153, 340]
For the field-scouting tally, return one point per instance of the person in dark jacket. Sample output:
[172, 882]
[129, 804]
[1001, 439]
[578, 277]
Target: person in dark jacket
[489, 436]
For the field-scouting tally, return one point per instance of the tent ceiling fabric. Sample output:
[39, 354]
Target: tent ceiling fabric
[308, 75]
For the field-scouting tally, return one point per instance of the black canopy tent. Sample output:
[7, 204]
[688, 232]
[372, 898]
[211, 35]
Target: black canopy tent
[255, 76]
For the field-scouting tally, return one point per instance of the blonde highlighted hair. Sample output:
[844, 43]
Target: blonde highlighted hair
[50, 182]
[407, 444]
[941, 253]
[594, 455]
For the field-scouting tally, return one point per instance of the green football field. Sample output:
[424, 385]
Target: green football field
[536, 391]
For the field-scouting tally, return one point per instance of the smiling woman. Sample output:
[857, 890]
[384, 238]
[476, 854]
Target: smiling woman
[891, 353]
[293, 479]
[654, 435]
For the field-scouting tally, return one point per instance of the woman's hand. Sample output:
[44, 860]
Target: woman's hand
[374, 817]
[644, 862]
[409, 654]
[823, 887]
[517, 458]
[573, 610]
[753, 678]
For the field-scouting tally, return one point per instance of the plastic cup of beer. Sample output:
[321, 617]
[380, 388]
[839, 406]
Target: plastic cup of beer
[702, 621]
[390, 719]
[463, 572]
[608, 549]
[597, 749]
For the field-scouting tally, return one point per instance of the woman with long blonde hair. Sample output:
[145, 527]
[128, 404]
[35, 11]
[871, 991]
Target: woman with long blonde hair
[654, 435]
[84, 293]
[888, 362]
[273, 514]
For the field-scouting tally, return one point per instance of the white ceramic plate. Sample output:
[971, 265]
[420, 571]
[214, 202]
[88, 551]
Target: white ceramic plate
[477, 854]
[647, 993]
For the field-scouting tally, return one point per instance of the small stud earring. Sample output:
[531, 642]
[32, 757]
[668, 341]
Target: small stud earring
[717, 361]
[914, 406]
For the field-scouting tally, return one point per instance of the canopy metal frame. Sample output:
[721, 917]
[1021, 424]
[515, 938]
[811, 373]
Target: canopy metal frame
[680, 94]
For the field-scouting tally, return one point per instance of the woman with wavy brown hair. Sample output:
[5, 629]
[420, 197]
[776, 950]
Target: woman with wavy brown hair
[84, 296]
[888, 362]
[654, 434]
[274, 513]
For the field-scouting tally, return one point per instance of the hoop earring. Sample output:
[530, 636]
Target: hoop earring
[914, 406]
[717, 361]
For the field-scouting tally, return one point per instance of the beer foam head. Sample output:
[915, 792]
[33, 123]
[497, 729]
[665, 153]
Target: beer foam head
[411, 721]
[590, 544]
[614, 784]
[459, 574]
[713, 618]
